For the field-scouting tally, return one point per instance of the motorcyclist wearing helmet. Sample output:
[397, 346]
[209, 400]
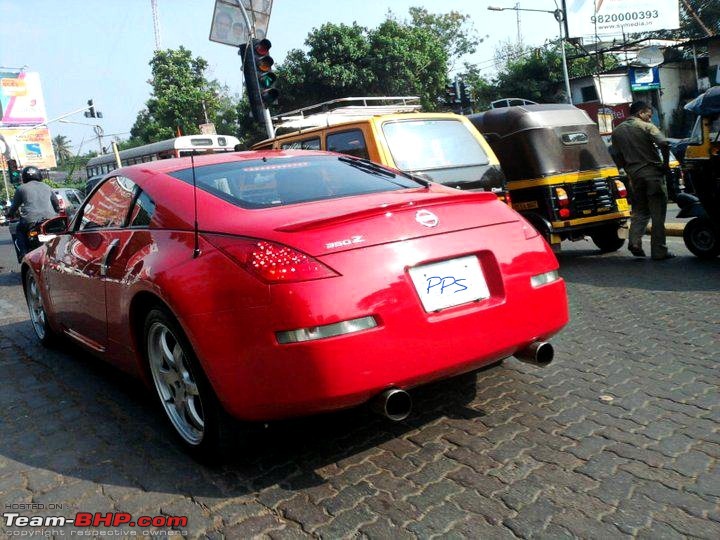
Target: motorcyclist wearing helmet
[35, 201]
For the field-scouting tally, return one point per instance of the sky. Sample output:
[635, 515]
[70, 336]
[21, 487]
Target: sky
[101, 49]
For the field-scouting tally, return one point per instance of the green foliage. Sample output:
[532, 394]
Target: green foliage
[453, 29]
[61, 147]
[180, 99]
[397, 58]
[534, 73]
[708, 11]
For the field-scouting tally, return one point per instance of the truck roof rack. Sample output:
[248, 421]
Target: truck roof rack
[341, 110]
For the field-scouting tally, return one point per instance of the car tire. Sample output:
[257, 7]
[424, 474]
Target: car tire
[36, 309]
[607, 238]
[702, 238]
[186, 397]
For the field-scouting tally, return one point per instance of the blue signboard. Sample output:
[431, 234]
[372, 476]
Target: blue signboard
[644, 78]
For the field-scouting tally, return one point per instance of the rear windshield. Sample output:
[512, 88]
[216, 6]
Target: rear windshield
[422, 145]
[281, 181]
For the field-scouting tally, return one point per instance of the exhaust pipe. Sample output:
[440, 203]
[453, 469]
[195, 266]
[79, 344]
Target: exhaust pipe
[393, 403]
[538, 353]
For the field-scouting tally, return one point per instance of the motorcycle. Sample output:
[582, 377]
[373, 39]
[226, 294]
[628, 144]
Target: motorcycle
[702, 166]
[33, 238]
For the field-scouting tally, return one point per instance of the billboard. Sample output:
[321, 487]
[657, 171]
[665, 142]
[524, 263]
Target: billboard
[585, 18]
[643, 79]
[228, 24]
[21, 99]
[29, 147]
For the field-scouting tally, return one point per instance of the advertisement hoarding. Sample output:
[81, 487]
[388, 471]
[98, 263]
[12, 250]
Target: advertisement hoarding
[585, 18]
[21, 99]
[228, 24]
[29, 147]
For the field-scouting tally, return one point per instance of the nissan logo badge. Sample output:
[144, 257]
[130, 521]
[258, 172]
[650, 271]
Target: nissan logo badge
[426, 218]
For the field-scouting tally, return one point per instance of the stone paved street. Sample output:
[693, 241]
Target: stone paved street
[618, 437]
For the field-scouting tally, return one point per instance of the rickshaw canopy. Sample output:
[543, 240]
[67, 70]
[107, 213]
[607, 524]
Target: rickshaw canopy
[707, 104]
[535, 141]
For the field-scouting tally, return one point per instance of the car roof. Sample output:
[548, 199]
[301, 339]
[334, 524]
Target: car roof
[168, 166]
[354, 120]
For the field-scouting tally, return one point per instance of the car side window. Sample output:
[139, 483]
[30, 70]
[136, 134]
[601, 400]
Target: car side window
[306, 144]
[109, 205]
[350, 142]
[142, 211]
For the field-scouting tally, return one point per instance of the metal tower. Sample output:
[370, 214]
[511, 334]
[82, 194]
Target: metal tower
[156, 23]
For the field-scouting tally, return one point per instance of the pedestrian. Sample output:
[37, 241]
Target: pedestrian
[644, 153]
[35, 201]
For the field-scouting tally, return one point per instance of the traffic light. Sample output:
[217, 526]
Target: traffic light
[465, 97]
[452, 93]
[14, 172]
[91, 112]
[259, 78]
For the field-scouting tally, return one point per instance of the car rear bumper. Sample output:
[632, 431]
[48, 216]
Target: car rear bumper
[257, 378]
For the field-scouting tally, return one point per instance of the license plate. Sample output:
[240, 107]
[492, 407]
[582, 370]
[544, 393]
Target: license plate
[622, 205]
[449, 283]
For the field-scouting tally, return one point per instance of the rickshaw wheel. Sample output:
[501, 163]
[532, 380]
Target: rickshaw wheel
[607, 238]
[701, 238]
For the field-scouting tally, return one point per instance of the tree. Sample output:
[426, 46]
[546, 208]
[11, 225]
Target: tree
[399, 57]
[61, 146]
[534, 73]
[452, 29]
[181, 98]
[696, 18]
[336, 65]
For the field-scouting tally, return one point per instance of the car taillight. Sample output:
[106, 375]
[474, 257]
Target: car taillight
[61, 203]
[270, 261]
[622, 191]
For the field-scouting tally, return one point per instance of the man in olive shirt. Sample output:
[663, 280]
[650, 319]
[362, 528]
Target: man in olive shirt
[636, 142]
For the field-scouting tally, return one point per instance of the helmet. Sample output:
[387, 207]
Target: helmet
[31, 173]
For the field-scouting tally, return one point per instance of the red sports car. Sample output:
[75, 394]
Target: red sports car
[289, 283]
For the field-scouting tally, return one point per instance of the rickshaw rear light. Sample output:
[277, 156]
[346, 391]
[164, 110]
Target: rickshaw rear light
[562, 196]
[564, 212]
[622, 191]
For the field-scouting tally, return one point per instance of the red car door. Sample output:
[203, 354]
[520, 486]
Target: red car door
[78, 263]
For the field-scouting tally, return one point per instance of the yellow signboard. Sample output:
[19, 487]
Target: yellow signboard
[29, 147]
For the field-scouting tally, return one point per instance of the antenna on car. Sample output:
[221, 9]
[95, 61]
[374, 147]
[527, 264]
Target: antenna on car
[196, 250]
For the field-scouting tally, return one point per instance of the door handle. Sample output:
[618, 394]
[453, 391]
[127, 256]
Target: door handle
[107, 256]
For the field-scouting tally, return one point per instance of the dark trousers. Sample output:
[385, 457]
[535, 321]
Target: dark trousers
[649, 203]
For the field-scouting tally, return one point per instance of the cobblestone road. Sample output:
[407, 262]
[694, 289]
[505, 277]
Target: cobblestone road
[512, 451]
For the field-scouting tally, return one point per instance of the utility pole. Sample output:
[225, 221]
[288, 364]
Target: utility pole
[559, 15]
[517, 12]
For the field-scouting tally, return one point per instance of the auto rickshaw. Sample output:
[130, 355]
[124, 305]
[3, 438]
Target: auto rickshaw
[560, 175]
[702, 166]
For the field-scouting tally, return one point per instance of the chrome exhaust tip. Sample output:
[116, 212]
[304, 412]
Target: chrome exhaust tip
[539, 353]
[394, 404]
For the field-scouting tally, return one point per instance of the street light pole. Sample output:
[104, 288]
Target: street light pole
[559, 17]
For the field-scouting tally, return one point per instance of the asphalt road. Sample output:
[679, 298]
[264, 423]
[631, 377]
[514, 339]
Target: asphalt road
[618, 437]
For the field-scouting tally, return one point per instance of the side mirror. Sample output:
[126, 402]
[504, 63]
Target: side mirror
[56, 225]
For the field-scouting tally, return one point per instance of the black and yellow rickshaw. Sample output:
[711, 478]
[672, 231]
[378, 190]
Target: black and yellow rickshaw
[560, 174]
[702, 166]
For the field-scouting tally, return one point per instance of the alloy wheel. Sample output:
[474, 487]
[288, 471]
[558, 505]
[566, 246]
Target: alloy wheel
[38, 317]
[175, 384]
